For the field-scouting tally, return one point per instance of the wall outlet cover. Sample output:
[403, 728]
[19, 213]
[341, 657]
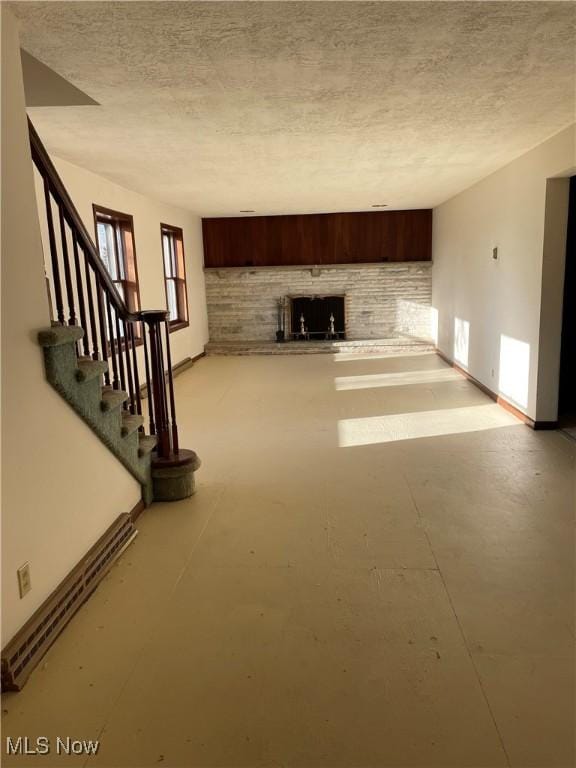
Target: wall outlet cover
[24, 581]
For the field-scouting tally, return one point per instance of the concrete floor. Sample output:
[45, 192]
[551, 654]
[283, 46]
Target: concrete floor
[377, 570]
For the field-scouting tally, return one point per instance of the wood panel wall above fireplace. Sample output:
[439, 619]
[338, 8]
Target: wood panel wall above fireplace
[317, 239]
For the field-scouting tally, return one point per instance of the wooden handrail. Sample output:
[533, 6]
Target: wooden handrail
[46, 166]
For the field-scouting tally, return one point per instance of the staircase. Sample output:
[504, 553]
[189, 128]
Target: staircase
[97, 351]
[79, 381]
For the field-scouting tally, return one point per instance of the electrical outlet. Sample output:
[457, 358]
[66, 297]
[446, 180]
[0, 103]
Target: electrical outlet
[24, 582]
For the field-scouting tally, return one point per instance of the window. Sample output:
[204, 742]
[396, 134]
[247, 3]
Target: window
[115, 237]
[174, 276]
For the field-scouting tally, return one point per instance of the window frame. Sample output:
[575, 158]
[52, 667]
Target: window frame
[127, 221]
[120, 220]
[179, 323]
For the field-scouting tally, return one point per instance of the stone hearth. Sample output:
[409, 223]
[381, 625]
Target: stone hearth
[376, 347]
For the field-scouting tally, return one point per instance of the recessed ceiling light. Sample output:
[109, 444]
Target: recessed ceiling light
[248, 210]
[380, 205]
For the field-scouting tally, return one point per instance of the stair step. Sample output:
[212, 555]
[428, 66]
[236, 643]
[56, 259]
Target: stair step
[89, 369]
[112, 398]
[146, 445]
[59, 334]
[130, 423]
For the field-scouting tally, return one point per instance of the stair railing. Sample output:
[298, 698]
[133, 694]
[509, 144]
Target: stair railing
[83, 293]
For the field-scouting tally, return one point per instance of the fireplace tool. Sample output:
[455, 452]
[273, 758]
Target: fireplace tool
[332, 333]
[280, 324]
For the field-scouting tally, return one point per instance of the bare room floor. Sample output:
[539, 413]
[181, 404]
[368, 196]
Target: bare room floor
[377, 570]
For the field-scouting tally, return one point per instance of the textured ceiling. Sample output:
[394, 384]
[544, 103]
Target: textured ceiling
[303, 106]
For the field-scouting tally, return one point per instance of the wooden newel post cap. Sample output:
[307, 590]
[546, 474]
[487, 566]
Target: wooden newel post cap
[154, 315]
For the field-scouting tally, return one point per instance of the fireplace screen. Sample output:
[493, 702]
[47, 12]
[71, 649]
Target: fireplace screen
[315, 318]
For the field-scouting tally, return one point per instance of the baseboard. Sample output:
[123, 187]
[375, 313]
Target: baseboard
[182, 366]
[188, 362]
[137, 510]
[199, 356]
[23, 653]
[498, 398]
[514, 411]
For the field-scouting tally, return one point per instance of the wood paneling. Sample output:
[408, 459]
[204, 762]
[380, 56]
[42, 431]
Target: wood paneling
[323, 238]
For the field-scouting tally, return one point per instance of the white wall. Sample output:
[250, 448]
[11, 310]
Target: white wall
[489, 312]
[86, 188]
[61, 488]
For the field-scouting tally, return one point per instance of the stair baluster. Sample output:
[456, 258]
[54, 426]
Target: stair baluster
[53, 253]
[120, 361]
[124, 346]
[151, 421]
[80, 292]
[91, 312]
[171, 387]
[115, 381]
[67, 272]
[102, 325]
[136, 376]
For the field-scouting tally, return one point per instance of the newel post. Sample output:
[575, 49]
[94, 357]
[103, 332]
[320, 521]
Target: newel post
[172, 467]
[154, 320]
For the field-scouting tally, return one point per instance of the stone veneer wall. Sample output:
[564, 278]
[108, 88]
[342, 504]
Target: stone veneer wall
[382, 300]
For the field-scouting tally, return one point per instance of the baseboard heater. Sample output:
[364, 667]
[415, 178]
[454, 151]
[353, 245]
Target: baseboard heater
[30, 643]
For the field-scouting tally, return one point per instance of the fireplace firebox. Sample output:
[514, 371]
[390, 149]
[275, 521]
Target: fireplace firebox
[317, 318]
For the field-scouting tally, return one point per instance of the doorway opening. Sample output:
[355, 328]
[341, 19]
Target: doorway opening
[567, 392]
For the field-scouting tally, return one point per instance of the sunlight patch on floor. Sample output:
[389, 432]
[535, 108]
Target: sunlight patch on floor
[347, 357]
[409, 426]
[372, 381]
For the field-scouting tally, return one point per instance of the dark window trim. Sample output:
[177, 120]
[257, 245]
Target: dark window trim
[128, 219]
[175, 325]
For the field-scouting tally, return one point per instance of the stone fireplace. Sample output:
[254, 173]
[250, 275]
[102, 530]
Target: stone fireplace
[381, 301]
[315, 318]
